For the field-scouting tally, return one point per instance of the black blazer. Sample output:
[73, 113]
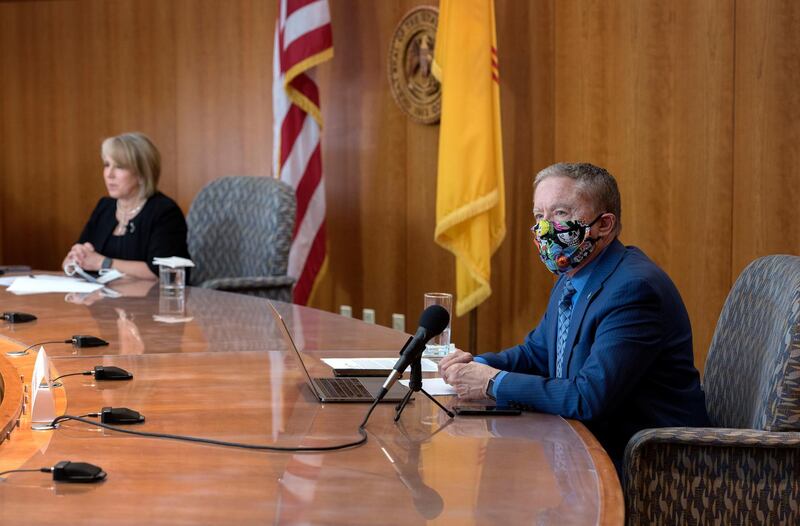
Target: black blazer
[159, 230]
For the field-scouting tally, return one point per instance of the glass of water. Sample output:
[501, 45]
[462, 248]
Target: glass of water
[171, 280]
[439, 346]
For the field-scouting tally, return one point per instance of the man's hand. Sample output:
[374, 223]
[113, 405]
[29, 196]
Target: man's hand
[457, 356]
[469, 379]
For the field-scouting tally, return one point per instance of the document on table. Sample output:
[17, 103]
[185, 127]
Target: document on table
[44, 283]
[372, 364]
[172, 319]
[434, 386]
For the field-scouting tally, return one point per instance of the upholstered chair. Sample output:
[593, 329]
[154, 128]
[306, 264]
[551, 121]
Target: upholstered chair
[240, 232]
[745, 469]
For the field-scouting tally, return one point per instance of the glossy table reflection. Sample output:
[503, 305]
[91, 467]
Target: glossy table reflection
[217, 367]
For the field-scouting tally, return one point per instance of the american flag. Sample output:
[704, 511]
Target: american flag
[303, 39]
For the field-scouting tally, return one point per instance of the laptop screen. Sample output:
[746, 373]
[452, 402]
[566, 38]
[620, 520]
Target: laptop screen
[287, 337]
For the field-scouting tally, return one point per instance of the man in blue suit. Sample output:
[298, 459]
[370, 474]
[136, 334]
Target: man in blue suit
[614, 348]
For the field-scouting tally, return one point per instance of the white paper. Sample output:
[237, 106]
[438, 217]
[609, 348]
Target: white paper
[428, 366]
[107, 275]
[434, 386]
[173, 262]
[51, 277]
[43, 284]
[5, 282]
[164, 318]
[43, 407]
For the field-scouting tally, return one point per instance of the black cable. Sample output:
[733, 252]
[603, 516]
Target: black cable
[40, 470]
[364, 422]
[24, 351]
[84, 373]
[309, 449]
[79, 340]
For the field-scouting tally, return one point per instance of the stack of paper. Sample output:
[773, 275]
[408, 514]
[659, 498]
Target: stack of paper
[44, 283]
[435, 386]
[372, 364]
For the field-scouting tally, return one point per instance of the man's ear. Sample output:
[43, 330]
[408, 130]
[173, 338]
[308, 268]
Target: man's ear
[607, 224]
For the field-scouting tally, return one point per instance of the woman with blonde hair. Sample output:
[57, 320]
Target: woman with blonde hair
[136, 222]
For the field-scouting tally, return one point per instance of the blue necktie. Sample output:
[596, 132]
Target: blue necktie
[564, 314]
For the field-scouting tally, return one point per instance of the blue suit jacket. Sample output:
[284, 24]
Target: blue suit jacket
[628, 356]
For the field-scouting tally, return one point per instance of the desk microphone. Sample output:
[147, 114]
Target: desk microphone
[432, 322]
[66, 471]
[100, 372]
[79, 340]
[17, 317]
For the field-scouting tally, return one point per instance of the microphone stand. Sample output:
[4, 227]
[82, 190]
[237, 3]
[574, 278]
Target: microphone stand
[415, 386]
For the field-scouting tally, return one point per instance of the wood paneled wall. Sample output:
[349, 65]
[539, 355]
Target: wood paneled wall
[646, 89]
[693, 106]
[766, 178]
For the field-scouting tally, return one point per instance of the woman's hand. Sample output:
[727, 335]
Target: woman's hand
[75, 253]
[85, 256]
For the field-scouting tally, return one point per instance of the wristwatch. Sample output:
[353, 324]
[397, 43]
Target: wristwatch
[490, 387]
[107, 263]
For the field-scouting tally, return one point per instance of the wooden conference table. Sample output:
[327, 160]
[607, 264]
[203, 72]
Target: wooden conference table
[216, 366]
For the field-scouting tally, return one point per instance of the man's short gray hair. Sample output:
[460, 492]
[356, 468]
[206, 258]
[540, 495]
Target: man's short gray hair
[594, 182]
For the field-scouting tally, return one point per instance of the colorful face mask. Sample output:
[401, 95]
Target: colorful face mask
[563, 245]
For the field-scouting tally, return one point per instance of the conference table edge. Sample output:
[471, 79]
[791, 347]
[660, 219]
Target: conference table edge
[11, 398]
[612, 502]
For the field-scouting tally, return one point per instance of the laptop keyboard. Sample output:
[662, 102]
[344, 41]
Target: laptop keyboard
[342, 388]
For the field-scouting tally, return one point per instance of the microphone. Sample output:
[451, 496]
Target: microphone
[432, 322]
[109, 372]
[82, 340]
[120, 415]
[17, 317]
[66, 471]
[78, 340]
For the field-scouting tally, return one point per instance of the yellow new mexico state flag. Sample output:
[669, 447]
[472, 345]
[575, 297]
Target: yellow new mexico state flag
[470, 201]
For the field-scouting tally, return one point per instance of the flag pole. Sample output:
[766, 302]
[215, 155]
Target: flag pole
[473, 331]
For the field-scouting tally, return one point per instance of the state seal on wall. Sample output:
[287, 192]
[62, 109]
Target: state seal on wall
[414, 88]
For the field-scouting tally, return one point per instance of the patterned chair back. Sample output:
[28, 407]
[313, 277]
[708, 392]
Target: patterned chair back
[752, 376]
[241, 227]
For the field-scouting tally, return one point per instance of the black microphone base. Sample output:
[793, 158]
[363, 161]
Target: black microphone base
[17, 317]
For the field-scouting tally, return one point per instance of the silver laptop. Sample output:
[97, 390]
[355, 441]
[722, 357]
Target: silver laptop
[342, 389]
